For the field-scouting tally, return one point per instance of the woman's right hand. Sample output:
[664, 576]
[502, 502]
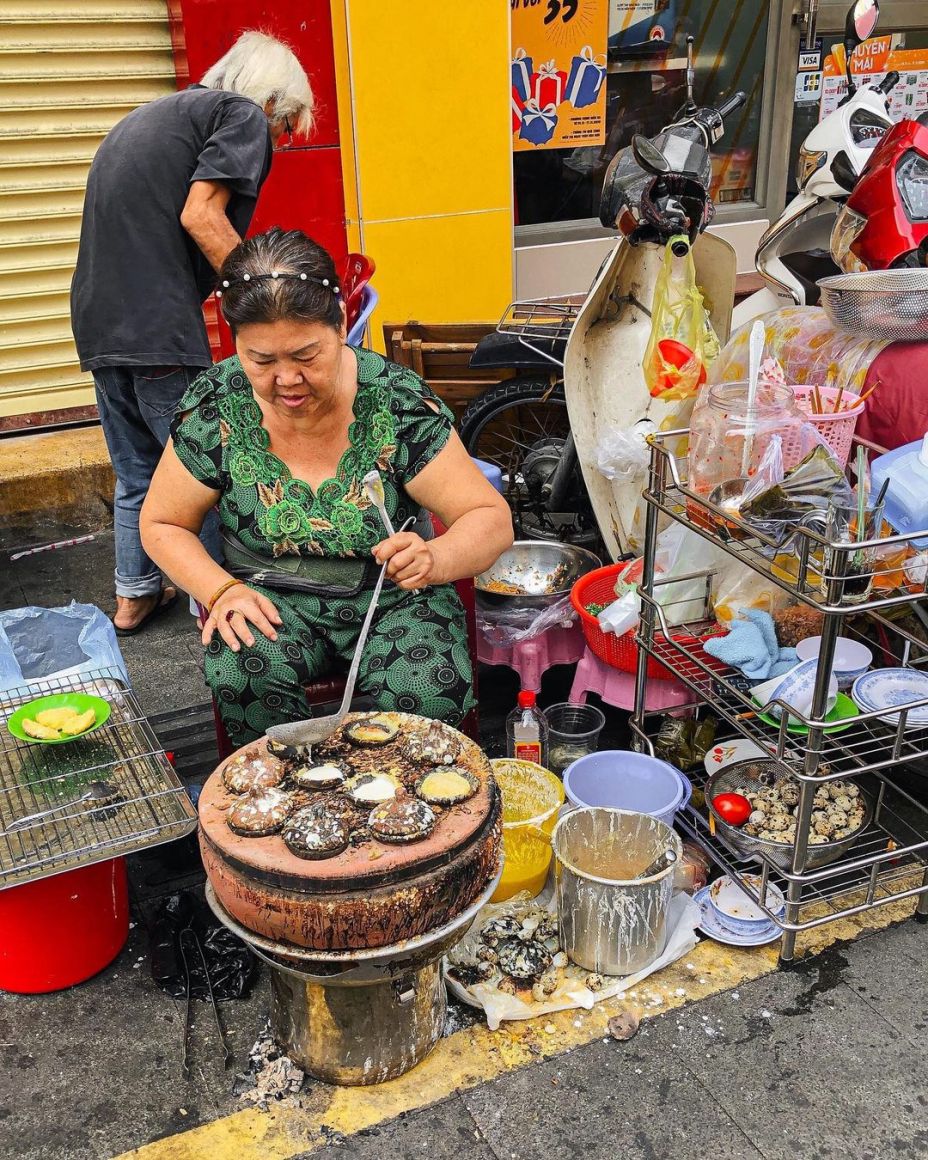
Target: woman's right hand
[232, 613]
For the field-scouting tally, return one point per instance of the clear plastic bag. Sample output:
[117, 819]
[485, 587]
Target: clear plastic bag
[38, 643]
[682, 342]
[504, 627]
[626, 453]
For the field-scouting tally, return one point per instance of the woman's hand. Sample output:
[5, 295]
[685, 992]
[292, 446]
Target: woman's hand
[234, 611]
[412, 560]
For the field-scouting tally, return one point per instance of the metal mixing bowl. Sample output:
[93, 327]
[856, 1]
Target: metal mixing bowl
[887, 304]
[533, 574]
[780, 854]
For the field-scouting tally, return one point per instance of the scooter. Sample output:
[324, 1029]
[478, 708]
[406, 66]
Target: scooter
[654, 191]
[794, 252]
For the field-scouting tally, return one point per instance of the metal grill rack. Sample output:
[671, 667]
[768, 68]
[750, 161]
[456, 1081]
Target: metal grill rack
[153, 806]
[541, 324]
[889, 861]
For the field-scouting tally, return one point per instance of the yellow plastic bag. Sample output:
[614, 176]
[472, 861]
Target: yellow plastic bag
[682, 343]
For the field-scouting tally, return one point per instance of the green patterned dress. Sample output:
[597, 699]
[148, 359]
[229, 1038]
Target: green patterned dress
[416, 659]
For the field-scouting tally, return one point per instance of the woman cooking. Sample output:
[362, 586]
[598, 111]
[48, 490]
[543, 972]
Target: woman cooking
[280, 438]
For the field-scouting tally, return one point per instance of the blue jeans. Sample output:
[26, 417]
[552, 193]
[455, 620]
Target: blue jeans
[136, 407]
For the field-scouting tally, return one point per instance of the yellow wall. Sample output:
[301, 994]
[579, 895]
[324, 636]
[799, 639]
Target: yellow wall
[427, 153]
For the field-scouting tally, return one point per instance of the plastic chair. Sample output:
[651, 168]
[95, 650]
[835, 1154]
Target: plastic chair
[532, 658]
[617, 688]
[358, 271]
[357, 331]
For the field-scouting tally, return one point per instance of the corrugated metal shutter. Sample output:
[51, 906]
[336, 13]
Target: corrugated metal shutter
[69, 70]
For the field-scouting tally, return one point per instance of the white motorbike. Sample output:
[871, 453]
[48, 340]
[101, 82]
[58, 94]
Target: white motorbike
[794, 252]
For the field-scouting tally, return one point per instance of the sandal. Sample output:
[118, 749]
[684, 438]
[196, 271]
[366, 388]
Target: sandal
[161, 606]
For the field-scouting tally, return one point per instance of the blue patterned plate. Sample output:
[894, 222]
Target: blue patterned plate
[893, 689]
[710, 925]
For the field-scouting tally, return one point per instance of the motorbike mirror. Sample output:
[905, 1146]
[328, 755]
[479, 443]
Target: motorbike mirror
[861, 20]
[648, 156]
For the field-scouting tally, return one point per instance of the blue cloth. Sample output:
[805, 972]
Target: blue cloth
[751, 646]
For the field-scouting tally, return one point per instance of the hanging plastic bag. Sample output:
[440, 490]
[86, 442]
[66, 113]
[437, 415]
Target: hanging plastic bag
[682, 343]
[38, 643]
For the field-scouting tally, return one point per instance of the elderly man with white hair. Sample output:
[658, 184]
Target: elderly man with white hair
[170, 193]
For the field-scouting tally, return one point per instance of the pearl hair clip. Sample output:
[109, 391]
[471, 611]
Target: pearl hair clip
[274, 276]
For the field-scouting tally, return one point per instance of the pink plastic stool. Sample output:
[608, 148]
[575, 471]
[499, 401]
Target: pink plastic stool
[532, 658]
[618, 688]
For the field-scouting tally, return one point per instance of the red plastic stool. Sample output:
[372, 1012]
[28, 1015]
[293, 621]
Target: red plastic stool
[62, 930]
[618, 688]
[531, 659]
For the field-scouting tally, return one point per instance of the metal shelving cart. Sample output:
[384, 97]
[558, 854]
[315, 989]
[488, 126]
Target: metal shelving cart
[888, 858]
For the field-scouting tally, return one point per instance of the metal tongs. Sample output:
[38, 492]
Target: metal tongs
[194, 938]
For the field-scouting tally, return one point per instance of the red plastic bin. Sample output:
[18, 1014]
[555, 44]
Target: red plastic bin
[62, 930]
[621, 652]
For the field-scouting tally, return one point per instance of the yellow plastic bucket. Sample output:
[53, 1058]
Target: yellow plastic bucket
[532, 797]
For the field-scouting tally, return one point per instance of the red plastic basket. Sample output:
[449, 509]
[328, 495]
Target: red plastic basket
[621, 652]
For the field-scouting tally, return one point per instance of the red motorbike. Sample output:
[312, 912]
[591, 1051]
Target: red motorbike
[883, 225]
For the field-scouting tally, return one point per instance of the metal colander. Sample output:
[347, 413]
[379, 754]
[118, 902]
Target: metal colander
[753, 775]
[883, 304]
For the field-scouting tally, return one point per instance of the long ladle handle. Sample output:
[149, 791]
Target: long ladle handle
[362, 636]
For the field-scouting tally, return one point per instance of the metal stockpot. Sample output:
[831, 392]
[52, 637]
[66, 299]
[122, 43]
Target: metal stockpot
[611, 922]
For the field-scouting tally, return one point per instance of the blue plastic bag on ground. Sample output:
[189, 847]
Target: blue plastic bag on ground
[39, 643]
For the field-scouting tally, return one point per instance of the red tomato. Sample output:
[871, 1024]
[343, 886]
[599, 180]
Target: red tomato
[732, 808]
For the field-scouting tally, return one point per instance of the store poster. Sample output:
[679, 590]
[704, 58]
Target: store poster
[558, 73]
[872, 61]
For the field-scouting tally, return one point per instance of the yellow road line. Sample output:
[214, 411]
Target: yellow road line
[475, 1055]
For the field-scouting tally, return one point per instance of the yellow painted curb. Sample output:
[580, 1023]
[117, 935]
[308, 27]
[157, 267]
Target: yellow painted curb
[475, 1055]
[53, 471]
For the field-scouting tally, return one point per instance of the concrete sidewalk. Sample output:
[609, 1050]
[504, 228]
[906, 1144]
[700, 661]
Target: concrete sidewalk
[821, 1062]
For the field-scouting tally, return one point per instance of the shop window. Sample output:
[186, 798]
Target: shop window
[645, 87]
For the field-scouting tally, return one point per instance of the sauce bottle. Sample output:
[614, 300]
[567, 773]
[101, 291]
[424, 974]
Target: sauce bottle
[527, 731]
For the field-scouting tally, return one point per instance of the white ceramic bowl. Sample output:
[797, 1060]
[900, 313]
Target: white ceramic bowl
[852, 659]
[739, 913]
[795, 688]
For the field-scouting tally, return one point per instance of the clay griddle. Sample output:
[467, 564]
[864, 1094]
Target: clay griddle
[371, 862]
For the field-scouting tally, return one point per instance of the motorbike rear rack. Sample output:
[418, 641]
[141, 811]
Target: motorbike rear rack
[541, 320]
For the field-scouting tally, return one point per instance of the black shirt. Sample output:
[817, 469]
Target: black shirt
[140, 281]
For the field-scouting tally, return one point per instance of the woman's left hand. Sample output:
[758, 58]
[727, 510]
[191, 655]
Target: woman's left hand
[412, 560]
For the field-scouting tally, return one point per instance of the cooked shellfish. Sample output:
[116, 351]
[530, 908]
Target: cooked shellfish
[371, 731]
[523, 960]
[370, 789]
[245, 774]
[326, 776]
[447, 787]
[401, 820]
[316, 832]
[261, 814]
[438, 745]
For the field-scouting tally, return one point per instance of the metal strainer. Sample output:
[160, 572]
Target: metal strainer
[886, 304]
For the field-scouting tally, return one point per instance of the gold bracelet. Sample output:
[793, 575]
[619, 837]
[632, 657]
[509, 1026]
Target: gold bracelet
[221, 592]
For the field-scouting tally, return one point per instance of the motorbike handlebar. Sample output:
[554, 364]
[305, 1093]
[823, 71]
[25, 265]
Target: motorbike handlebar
[888, 83]
[728, 106]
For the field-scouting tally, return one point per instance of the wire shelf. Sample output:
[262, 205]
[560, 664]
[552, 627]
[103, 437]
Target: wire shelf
[823, 567]
[152, 806]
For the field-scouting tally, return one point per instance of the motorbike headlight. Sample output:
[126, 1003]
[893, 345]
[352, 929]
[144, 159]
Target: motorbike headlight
[809, 162]
[912, 179]
[848, 226]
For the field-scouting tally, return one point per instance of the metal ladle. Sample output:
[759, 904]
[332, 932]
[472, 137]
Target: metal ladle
[95, 791]
[314, 730]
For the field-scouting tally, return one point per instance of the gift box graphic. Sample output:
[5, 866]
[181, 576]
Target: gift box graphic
[522, 74]
[518, 107]
[548, 85]
[538, 124]
[585, 80]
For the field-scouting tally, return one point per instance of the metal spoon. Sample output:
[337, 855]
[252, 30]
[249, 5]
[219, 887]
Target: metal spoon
[314, 730]
[95, 791]
[373, 489]
[661, 862]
